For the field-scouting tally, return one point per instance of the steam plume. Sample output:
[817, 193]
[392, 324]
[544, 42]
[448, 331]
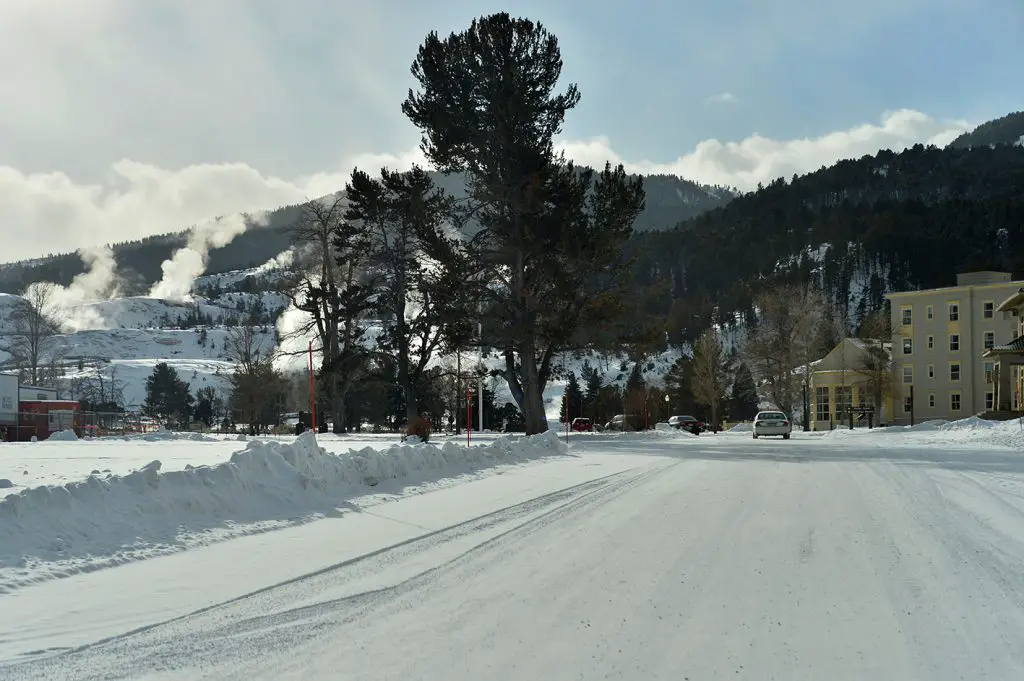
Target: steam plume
[98, 282]
[281, 261]
[188, 263]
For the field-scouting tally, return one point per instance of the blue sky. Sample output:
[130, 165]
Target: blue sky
[123, 116]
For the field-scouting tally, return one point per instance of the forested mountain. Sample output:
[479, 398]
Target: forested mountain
[1006, 130]
[669, 200]
[861, 228]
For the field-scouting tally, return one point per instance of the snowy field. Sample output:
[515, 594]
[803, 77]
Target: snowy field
[892, 553]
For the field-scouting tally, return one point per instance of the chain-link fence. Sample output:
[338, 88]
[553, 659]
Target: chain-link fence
[43, 424]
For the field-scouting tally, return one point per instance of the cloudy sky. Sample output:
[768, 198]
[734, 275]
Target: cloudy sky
[122, 118]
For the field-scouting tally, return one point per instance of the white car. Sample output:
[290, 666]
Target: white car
[772, 423]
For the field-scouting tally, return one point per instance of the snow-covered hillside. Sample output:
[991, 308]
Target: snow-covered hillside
[127, 337]
[129, 355]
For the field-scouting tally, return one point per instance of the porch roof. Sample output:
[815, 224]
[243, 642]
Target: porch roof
[1014, 347]
[1015, 301]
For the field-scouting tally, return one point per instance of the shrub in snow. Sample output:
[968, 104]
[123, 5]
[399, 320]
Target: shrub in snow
[419, 428]
[104, 521]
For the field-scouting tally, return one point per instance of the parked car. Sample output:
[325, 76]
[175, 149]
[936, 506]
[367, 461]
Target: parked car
[582, 425]
[631, 423]
[772, 423]
[690, 423]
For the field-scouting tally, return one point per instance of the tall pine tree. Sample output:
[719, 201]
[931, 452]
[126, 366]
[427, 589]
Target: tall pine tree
[743, 400]
[547, 255]
[572, 402]
[394, 211]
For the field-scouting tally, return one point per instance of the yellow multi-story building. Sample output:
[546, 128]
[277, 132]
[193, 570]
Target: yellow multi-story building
[939, 341]
[856, 373]
[1007, 358]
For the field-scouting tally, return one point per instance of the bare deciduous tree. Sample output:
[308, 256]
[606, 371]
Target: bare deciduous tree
[255, 385]
[710, 373]
[32, 327]
[332, 291]
[878, 367]
[789, 318]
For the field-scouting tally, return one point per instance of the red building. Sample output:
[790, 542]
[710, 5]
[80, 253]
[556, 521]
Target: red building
[42, 418]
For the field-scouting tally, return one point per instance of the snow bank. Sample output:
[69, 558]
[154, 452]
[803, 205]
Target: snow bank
[968, 431]
[63, 436]
[743, 427]
[52, 531]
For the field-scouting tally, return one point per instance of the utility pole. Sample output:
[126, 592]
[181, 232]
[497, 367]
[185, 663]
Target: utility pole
[480, 378]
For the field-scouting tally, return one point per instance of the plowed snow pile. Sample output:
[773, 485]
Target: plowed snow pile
[971, 431]
[52, 531]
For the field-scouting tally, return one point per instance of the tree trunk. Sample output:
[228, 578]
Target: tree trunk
[533, 396]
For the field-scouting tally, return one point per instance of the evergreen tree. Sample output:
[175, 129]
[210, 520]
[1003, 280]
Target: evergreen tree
[167, 395]
[547, 255]
[592, 384]
[394, 211]
[572, 401]
[635, 393]
[743, 401]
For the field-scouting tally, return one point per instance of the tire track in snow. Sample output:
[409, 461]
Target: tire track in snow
[269, 620]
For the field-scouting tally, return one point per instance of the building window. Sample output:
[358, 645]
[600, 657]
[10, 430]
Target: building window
[908, 404]
[990, 400]
[908, 346]
[908, 315]
[990, 339]
[954, 312]
[931, 400]
[954, 401]
[908, 373]
[931, 371]
[989, 309]
[821, 411]
[844, 401]
[954, 342]
[954, 371]
[931, 342]
[989, 369]
[930, 311]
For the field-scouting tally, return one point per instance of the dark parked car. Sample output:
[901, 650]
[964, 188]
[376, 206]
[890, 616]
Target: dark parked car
[689, 423]
[626, 423]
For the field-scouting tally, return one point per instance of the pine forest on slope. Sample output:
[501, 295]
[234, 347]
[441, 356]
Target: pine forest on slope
[858, 229]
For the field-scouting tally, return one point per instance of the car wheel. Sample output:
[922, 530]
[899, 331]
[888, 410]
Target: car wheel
[786, 436]
[755, 436]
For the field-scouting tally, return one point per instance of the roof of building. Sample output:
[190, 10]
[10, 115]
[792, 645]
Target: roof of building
[960, 287]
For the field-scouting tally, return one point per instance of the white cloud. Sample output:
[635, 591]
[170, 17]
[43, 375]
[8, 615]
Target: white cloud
[722, 98]
[50, 212]
[760, 159]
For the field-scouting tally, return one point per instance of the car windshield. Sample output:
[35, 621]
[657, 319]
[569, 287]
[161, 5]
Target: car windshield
[771, 416]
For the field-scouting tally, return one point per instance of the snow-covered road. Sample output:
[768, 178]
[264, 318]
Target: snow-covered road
[817, 558]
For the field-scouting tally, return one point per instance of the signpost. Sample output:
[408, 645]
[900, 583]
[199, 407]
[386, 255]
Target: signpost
[312, 388]
[862, 410]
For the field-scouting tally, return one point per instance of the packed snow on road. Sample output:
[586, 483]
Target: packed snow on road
[892, 553]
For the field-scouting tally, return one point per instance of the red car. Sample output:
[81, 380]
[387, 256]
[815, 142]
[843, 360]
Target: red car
[582, 426]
